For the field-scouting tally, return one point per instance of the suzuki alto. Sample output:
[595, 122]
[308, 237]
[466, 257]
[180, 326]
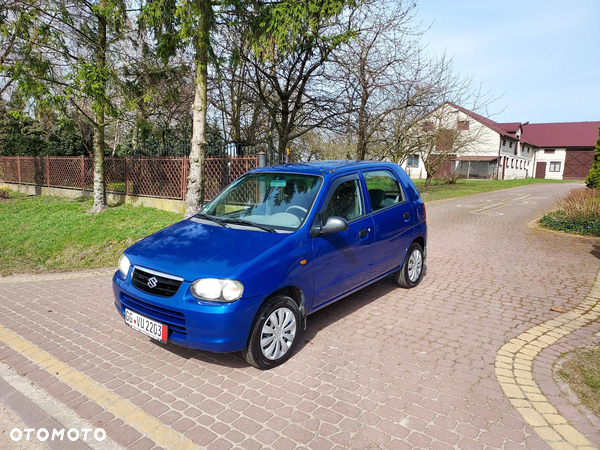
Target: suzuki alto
[278, 244]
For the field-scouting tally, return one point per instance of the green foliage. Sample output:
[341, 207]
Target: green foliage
[90, 81]
[559, 221]
[21, 135]
[63, 140]
[60, 60]
[593, 178]
[286, 26]
[578, 213]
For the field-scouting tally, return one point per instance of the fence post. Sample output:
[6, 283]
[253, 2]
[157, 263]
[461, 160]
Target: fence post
[127, 175]
[262, 159]
[184, 170]
[82, 174]
[19, 168]
[47, 171]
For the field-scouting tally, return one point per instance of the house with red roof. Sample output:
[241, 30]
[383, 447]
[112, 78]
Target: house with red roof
[492, 150]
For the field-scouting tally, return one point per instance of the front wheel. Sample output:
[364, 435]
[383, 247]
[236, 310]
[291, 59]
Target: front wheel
[274, 334]
[411, 272]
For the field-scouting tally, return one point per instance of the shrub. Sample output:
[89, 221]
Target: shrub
[593, 178]
[581, 204]
[578, 212]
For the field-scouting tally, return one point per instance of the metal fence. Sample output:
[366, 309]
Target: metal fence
[146, 177]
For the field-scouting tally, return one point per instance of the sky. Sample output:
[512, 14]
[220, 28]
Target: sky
[540, 57]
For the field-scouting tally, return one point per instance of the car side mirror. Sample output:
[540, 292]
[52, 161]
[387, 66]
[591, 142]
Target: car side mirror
[334, 224]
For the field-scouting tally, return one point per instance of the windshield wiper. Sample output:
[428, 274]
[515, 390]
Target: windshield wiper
[250, 223]
[212, 219]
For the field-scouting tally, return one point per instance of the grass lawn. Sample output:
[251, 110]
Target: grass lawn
[51, 234]
[440, 190]
[581, 371]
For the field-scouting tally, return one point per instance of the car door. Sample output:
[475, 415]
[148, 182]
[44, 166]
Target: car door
[343, 261]
[393, 219]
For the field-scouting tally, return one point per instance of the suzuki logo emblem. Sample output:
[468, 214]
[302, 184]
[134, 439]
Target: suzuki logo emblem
[152, 282]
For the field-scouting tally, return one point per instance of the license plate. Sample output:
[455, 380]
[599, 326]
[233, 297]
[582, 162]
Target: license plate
[147, 326]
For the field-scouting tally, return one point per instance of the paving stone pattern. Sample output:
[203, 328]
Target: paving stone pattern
[383, 368]
[514, 371]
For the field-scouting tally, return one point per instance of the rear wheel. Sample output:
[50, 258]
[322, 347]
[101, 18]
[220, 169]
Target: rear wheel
[274, 334]
[411, 272]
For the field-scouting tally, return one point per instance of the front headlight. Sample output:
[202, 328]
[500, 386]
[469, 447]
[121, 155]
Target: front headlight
[124, 265]
[217, 290]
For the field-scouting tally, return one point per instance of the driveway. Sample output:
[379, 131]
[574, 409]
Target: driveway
[384, 368]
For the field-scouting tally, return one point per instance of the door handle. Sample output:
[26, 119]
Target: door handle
[406, 215]
[362, 233]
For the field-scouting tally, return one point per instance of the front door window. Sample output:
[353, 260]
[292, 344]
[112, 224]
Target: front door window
[345, 202]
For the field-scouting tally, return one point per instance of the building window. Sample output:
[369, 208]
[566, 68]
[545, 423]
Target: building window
[521, 164]
[428, 126]
[554, 166]
[462, 125]
[413, 161]
[510, 144]
[503, 142]
[512, 163]
[549, 151]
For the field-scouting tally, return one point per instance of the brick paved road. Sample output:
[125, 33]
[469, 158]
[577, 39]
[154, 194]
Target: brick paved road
[384, 368]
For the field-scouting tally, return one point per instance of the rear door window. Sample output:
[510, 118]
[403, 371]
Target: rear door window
[384, 189]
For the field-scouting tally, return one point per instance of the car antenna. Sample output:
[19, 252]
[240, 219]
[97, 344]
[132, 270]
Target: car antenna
[338, 165]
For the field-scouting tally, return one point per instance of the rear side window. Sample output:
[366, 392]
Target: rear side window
[384, 189]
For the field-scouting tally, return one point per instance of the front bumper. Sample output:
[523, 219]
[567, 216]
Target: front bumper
[216, 327]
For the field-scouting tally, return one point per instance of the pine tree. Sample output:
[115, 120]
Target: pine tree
[593, 178]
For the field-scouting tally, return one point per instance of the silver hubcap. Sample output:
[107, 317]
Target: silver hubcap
[415, 264]
[278, 333]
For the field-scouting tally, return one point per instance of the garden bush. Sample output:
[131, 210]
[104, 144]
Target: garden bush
[578, 212]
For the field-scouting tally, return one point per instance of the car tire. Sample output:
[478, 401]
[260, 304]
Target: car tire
[411, 272]
[274, 334]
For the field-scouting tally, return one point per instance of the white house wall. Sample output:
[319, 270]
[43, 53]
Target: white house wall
[559, 155]
[415, 173]
[486, 142]
[519, 165]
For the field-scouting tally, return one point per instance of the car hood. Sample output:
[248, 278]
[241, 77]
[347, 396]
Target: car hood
[193, 250]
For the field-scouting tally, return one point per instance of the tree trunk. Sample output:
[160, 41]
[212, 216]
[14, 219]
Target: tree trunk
[99, 184]
[284, 135]
[195, 187]
[428, 180]
[361, 141]
[281, 147]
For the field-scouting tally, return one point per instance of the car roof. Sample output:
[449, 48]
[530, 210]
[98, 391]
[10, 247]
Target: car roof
[323, 167]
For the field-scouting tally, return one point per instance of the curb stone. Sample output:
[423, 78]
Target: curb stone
[514, 371]
[55, 276]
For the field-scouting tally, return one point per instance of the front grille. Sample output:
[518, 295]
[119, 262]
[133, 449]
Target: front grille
[172, 319]
[162, 285]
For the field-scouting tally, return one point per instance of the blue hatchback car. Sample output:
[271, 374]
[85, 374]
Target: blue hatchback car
[275, 246]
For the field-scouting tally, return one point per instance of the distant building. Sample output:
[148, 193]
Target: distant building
[562, 151]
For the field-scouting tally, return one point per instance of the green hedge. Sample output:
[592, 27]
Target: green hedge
[559, 221]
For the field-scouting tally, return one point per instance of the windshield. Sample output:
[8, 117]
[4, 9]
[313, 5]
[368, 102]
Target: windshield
[276, 200]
